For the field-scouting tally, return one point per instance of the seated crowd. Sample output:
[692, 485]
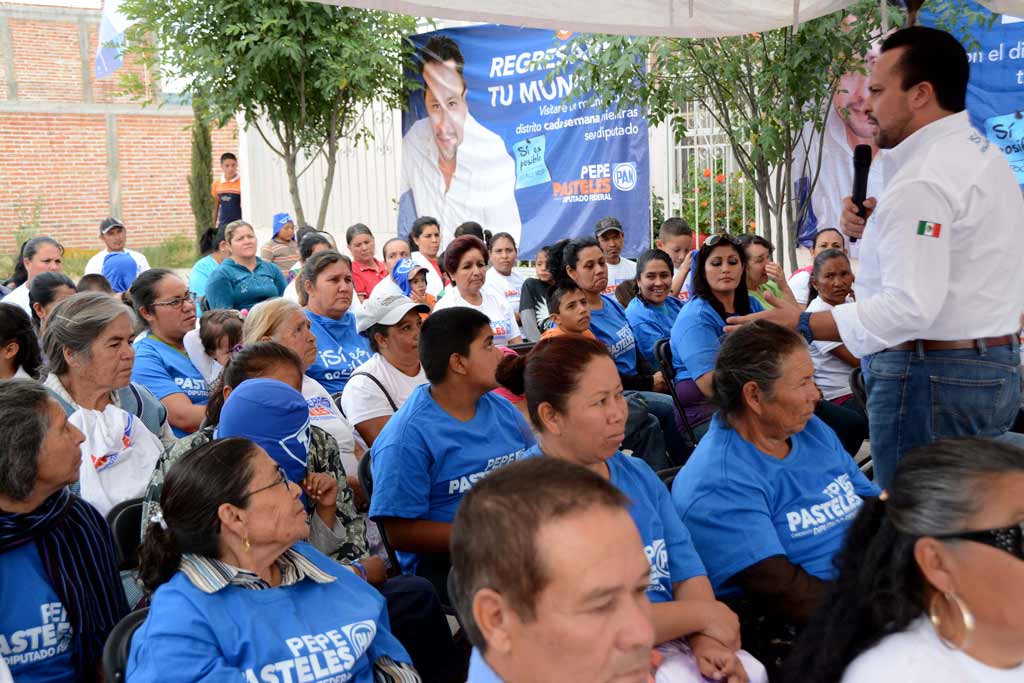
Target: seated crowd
[332, 455]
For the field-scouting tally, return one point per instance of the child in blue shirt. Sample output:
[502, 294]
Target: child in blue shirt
[449, 434]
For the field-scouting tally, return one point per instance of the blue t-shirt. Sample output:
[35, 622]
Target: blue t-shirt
[307, 631]
[233, 286]
[35, 633]
[339, 350]
[424, 459]
[696, 335]
[743, 506]
[611, 328]
[651, 323]
[200, 273]
[165, 370]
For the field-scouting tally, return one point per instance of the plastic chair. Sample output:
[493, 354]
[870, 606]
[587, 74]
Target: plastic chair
[118, 645]
[366, 481]
[668, 476]
[860, 395]
[663, 352]
[125, 520]
[450, 584]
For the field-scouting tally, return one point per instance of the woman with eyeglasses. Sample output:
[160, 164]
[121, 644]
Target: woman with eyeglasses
[931, 578]
[238, 593]
[719, 291]
[163, 303]
[243, 279]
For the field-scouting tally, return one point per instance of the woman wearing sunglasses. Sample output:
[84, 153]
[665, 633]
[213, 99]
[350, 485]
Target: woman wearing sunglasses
[931, 580]
[238, 593]
[719, 291]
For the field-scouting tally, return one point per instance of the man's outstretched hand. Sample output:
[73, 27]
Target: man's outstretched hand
[785, 313]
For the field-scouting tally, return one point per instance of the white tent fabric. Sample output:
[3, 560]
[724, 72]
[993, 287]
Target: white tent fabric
[683, 18]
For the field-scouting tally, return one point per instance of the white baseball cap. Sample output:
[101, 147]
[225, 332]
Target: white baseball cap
[387, 310]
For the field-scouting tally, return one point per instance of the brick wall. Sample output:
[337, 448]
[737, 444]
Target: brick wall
[73, 151]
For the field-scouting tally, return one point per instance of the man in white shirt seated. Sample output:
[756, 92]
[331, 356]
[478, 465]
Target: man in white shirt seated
[452, 166]
[608, 232]
[114, 236]
[378, 388]
[551, 578]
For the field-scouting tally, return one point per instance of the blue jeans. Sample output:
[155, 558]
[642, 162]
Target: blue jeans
[916, 397]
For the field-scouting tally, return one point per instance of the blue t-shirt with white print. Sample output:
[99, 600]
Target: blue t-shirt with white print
[667, 543]
[307, 631]
[652, 322]
[165, 370]
[611, 328]
[696, 335]
[340, 349]
[35, 632]
[425, 460]
[742, 506]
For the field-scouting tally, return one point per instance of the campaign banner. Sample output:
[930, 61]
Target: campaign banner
[493, 138]
[995, 92]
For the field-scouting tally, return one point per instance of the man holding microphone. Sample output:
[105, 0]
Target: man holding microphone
[940, 289]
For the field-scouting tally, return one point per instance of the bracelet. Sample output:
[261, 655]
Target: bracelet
[803, 326]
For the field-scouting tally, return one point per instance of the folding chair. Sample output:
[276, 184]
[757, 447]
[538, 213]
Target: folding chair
[118, 645]
[125, 520]
[366, 481]
[663, 353]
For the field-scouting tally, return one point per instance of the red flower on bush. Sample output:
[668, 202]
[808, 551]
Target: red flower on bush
[720, 178]
[707, 172]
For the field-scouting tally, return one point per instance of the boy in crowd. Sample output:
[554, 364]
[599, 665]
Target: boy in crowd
[675, 238]
[570, 311]
[114, 236]
[227, 192]
[608, 232]
[449, 434]
[282, 250]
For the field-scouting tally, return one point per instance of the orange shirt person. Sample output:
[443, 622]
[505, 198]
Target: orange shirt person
[227, 192]
[570, 311]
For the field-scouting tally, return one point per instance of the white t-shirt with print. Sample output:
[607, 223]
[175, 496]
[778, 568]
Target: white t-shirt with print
[509, 287]
[363, 400]
[323, 413]
[503, 321]
[619, 273]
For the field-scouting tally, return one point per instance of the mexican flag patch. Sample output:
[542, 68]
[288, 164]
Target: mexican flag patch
[928, 229]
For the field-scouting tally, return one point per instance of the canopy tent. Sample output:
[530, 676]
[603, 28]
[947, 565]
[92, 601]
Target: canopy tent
[682, 18]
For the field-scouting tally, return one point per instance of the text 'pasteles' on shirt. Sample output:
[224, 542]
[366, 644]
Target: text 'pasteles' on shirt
[425, 460]
[164, 370]
[743, 506]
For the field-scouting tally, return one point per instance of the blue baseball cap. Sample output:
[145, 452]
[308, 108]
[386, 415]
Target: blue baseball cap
[281, 220]
[274, 416]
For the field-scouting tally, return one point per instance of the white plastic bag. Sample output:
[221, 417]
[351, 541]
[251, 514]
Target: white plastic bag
[118, 456]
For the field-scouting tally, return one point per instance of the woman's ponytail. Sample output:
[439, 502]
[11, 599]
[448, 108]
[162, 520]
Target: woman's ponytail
[159, 556]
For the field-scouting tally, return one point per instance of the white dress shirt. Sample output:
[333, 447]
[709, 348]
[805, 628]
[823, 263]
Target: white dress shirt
[965, 282]
[483, 188]
[95, 264]
[19, 297]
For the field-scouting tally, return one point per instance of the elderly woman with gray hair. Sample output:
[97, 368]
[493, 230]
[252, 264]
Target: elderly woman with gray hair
[770, 492]
[88, 346]
[61, 590]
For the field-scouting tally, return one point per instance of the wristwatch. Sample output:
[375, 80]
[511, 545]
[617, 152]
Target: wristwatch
[803, 326]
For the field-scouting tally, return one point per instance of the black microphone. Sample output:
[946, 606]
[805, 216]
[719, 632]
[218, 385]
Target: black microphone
[861, 167]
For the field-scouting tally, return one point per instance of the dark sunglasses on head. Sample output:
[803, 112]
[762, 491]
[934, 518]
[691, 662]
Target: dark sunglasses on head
[718, 237]
[1009, 539]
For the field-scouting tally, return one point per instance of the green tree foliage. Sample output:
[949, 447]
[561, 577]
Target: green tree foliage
[200, 175]
[301, 73]
[768, 92]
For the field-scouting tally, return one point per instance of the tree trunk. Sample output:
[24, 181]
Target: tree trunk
[200, 176]
[290, 162]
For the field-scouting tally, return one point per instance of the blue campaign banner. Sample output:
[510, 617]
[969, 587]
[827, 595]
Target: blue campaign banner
[515, 150]
[995, 93]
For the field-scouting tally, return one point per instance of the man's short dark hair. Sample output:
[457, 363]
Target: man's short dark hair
[227, 155]
[494, 536]
[674, 227]
[441, 49]
[448, 331]
[936, 57]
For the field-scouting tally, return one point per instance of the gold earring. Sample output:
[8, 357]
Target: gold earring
[966, 617]
[246, 545]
